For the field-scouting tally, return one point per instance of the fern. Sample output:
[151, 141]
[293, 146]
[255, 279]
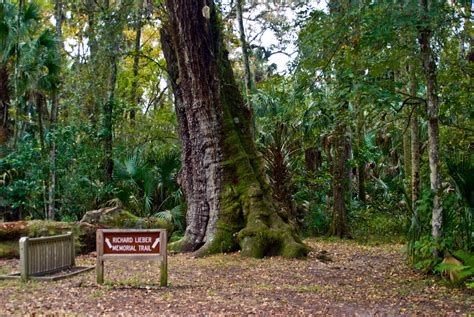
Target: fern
[175, 215]
[464, 272]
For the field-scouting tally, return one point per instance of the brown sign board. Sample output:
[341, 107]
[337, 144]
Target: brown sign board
[132, 244]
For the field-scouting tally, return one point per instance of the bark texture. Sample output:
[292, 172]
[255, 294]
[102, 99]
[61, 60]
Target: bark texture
[341, 173]
[407, 149]
[415, 146]
[313, 159]
[245, 50]
[58, 8]
[340, 183]
[135, 99]
[429, 67]
[108, 121]
[360, 132]
[40, 102]
[229, 201]
[116, 22]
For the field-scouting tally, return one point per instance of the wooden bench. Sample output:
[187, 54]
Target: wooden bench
[47, 255]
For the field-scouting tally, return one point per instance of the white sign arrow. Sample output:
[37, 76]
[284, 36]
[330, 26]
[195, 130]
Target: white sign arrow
[155, 243]
[108, 243]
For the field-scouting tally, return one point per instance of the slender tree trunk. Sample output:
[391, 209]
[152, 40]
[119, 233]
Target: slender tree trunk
[349, 157]
[135, 100]
[429, 67]
[313, 160]
[342, 148]
[39, 108]
[415, 146]
[108, 118]
[245, 50]
[116, 22]
[92, 103]
[229, 201]
[52, 157]
[468, 33]
[4, 105]
[54, 119]
[340, 179]
[58, 15]
[406, 140]
[360, 148]
[18, 130]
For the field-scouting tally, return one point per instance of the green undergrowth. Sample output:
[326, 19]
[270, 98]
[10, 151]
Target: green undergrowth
[8, 249]
[370, 226]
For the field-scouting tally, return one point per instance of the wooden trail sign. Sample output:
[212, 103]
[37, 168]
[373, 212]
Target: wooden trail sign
[132, 244]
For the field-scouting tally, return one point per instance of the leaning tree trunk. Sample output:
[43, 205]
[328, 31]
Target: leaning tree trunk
[229, 201]
[429, 67]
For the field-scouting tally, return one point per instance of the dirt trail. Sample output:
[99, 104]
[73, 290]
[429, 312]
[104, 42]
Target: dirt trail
[355, 280]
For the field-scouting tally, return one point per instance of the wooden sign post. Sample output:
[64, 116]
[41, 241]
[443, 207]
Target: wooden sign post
[132, 244]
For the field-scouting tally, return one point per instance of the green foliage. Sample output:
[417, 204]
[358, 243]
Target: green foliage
[135, 181]
[23, 181]
[464, 271]
[317, 220]
[420, 245]
[146, 185]
[176, 216]
[354, 65]
[372, 225]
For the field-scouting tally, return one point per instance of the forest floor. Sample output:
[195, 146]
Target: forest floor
[351, 279]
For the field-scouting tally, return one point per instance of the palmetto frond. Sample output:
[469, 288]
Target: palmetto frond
[40, 64]
[16, 27]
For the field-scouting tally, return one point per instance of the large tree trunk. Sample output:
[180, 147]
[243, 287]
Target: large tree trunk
[429, 67]
[229, 201]
[4, 104]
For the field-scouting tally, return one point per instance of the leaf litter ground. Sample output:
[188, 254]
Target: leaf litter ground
[338, 278]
